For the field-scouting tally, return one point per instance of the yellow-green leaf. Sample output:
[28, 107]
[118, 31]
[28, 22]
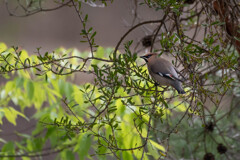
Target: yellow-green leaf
[30, 89]
[180, 106]
[3, 47]
[11, 114]
[158, 146]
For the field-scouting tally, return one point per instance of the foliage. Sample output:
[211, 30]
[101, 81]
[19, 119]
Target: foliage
[122, 113]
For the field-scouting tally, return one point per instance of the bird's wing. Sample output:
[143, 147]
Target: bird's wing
[166, 72]
[169, 76]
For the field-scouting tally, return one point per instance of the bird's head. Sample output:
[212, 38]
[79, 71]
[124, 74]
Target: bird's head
[146, 57]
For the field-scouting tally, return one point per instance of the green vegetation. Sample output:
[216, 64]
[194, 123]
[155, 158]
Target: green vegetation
[120, 113]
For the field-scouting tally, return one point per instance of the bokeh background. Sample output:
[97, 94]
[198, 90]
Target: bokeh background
[50, 30]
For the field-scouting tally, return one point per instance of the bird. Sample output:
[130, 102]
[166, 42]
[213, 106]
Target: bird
[163, 72]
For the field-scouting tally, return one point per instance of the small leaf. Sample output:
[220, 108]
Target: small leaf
[86, 18]
[93, 35]
[27, 60]
[90, 30]
[61, 70]
[237, 38]
[230, 80]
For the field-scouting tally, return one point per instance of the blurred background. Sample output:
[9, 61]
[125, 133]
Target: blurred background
[62, 27]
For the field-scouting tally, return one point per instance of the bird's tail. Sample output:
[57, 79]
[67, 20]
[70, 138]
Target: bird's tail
[179, 88]
[181, 91]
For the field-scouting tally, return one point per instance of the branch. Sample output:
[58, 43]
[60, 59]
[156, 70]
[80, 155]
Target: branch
[29, 13]
[131, 29]
[84, 27]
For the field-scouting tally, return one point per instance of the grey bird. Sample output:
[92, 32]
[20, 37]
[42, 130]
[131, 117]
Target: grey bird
[163, 72]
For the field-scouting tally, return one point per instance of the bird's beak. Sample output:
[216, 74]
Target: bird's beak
[143, 57]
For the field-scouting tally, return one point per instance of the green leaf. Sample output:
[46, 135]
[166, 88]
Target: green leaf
[230, 80]
[217, 23]
[27, 60]
[93, 35]
[3, 47]
[68, 90]
[153, 151]
[2, 140]
[101, 150]
[86, 18]
[127, 155]
[99, 54]
[163, 101]
[9, 148]
[61, 70]
[38, 143]
[78, 95]
[11, 114]
[180, 106]
[19, 82]
[158, 146]
[84, 144]
[30, 89]
[90, 30]
[69, 155]
[237, 38]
